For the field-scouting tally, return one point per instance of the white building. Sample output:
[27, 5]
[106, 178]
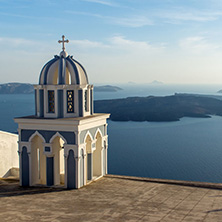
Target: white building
[9, 162]
[64, 142]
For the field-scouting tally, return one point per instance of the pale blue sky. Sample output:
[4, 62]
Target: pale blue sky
[173, 41]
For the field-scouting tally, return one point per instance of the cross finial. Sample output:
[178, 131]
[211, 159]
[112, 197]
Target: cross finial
[63, 42]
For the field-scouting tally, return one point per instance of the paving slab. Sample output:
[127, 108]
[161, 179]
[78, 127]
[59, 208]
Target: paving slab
[113, 198]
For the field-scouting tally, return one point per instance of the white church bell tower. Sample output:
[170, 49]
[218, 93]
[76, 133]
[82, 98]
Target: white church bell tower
[64, 143]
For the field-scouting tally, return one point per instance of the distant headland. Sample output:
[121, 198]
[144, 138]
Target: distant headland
[157, 109]
[107, 88]
[150, 108]
[26, 88]
[16, 88]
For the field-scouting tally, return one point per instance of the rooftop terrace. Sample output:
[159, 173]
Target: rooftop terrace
[113, 198]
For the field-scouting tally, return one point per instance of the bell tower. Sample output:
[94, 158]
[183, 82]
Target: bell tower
[63, 89]
[65, 143]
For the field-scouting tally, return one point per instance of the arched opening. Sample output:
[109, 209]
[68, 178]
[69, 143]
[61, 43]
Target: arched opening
[82, 168]
[25, 167]
[88, 161]
[58, 154]
[104, 159]
[97, 157]
[71, 170]
[38, 161]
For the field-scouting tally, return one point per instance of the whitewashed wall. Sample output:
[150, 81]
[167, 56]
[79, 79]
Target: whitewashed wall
[8, 153]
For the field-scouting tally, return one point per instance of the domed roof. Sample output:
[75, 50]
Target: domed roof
[63, 70]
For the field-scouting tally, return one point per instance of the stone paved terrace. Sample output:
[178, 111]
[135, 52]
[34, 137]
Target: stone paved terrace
[113, 198]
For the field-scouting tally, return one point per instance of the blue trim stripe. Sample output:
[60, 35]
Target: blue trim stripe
[47, 134]
[82, 69]
[41, 102]
[62, 71]
[41, 73]
[35, 102]
[91, 101]
[48, 65]
[80, 103]
[75, 69]
[60, 103]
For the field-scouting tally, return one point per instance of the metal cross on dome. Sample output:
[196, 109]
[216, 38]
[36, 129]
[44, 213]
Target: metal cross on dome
[63, 42]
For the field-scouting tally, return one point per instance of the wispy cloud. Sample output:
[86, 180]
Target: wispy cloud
[141, 19]
[132, 21]
[85, 14]
[88, 44]
[102, 2]
[25, 46]
[118, 44]
[31, 17]
[15, 42]
[198, 45]
[18, 15]
[123, 43]
[178, 15]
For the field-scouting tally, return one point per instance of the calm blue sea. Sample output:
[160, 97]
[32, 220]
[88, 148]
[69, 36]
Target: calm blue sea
[190, 149]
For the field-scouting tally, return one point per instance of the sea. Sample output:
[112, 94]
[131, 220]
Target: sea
[189, 149]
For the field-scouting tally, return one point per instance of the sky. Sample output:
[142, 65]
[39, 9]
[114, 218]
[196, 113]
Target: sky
[117, 41]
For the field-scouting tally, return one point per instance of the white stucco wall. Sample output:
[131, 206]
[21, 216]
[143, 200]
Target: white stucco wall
[8, 152]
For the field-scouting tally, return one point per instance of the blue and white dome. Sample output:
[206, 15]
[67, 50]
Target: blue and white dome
[63, 70]
[63, 90]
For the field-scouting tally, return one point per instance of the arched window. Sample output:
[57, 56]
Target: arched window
[86, 101]
[51, 101]
[70, 101]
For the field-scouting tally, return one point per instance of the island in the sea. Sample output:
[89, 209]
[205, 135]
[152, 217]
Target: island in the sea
[151, 108]
[26, 88]
[16, 88]
[167, 108]
[106, 88]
